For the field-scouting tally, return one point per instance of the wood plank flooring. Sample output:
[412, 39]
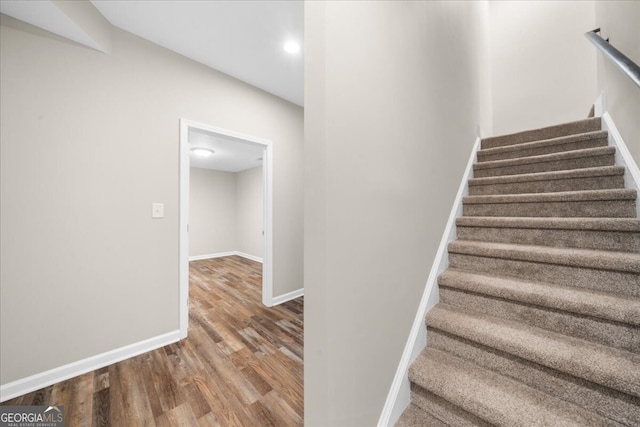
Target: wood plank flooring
[240, 366]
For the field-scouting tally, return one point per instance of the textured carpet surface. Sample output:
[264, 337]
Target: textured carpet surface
[575, 159]
[538, 322]
[598, 178]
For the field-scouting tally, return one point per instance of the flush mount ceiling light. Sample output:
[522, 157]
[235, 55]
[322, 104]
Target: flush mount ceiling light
[202, 151]
[292, 47]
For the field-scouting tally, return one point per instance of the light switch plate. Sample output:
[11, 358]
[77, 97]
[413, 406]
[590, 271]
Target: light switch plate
[157, 210]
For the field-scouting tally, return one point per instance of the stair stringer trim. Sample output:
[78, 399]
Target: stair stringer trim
[623, 156]
[399, 396]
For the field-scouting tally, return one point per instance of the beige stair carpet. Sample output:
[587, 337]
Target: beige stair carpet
[538, 322]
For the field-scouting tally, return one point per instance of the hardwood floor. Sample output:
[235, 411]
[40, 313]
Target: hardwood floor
[240, 366]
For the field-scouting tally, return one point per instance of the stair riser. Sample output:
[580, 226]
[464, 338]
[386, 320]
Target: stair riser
[484, 156]
[495, 398]
[556, 165]
[551, 186]
[586, 278]
[614, 334]
[589, 208]
[443, 410]
[584, 239]
[600, 399]
[540, 134]
[414, 416]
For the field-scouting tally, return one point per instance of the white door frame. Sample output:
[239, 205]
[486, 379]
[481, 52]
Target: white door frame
[267, 175]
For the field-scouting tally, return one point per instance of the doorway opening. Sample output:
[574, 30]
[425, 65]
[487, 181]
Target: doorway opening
[187, 128]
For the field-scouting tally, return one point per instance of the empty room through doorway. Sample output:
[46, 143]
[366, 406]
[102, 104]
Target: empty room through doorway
[226, 198]
[225, 202]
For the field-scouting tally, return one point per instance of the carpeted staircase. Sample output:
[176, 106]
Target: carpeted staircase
[538, 322]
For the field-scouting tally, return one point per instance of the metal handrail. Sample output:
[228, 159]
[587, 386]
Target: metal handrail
[623, 62]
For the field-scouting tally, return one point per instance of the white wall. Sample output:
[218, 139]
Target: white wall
[88, 141]
[250, 208]
[620, 22]
[392, 102]
[212, 212]
[543, 69]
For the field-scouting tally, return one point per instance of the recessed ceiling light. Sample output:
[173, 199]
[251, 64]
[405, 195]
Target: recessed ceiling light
[202, 151]
[292, 47]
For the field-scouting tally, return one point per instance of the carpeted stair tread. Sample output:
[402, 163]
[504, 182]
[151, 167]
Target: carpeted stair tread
[595, 178]
[561, 196]
[609, 403]
[607, 332]
[615, 202]
[544, 305]
[545, 158]
[546, 146]
[606, 366]
[506, 265]
[611, 234]
[492, 397]
[416, 417]
[585, 258]
[548, 176]
[444, 410]
[571, 128]
[599, 224]
[578, 159]
[580, 301]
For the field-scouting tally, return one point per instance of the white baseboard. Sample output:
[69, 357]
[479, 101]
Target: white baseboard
[55, 375]
[287, 297]
[224, 254]
[247, 256]
[623, 156]
[399, 395]
[210, 256]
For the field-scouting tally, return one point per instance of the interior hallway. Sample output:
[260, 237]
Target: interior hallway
[241, 364]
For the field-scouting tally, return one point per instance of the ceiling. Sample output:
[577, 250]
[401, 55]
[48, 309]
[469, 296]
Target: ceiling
[244, 39]
[231, 154]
